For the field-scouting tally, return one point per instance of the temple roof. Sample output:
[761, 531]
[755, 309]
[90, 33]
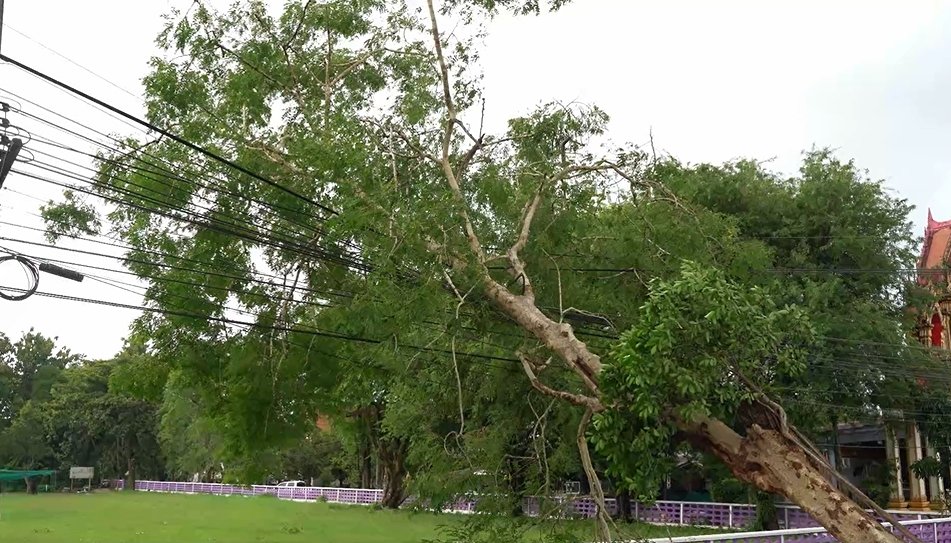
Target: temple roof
[934, 251]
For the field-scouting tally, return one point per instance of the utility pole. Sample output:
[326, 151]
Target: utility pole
[8, 148]
[1, 25]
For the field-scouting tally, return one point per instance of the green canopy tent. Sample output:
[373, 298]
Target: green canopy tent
[21, 475]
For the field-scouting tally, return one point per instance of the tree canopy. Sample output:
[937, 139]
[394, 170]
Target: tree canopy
[342, 238]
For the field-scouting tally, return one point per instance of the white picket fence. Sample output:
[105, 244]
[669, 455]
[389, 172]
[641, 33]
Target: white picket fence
[930, 527]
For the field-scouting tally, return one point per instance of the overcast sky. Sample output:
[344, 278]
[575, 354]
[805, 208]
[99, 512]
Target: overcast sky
[714, 81]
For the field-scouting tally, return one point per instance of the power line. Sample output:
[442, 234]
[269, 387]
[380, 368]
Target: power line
[73, 62]
[225, 320]
[166, 133]
[161, 278]
[266, 205]
[162, 265]
[165, 172]
[61, 89]
[235, 225]
[205, 171]
[201, 222]
[140, 169]
[141, 274]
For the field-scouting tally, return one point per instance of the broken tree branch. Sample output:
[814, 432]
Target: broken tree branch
[592, 404]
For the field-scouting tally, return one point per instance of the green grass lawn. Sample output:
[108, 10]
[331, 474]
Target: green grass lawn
[114, 517]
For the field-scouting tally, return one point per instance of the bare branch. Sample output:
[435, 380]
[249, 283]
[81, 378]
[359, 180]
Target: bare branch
[561, 300]
[444, 77]
[604, 521]
[528, 215]
[447, 256]
[389, 129]
[466, 159]
[474, 244]
[300, 24]
[592, 404]
[518, 267]
[455, 367]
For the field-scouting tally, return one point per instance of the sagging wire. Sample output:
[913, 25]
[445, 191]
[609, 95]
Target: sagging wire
[32, 270]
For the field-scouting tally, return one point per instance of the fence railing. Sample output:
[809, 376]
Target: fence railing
[932, 530]
[719, 515]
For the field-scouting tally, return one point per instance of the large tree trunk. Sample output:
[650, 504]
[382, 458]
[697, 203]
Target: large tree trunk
[368, 444]
[764, 458]
[393, 459]
[774, 463]
[30, 485]
[767, 517]
[130, 474]
[836, 448]
[366, 463]
[624, 506]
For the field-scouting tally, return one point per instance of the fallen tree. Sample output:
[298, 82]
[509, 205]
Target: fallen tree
[435, 223]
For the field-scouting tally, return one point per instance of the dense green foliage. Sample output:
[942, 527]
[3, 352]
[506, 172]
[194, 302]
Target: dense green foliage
[128, 419]
[661, 374]
[390, 265]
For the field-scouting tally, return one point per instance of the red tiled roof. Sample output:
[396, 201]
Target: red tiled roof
[934, 251]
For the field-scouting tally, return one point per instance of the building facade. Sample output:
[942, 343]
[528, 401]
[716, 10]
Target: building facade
[867, 448]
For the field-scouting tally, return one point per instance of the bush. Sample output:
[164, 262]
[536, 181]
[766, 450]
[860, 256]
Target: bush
[729, 490]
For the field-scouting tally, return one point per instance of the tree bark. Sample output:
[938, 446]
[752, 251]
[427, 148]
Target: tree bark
[30, 485]
[624, 506]
[366, 464]
[836, 449]
[767, 517]
[515, 470]
[393, 459]
[130, 474]
[558, 337]
[772, 462]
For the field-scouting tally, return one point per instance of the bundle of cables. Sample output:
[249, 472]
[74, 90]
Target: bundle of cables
[33, 275]
[32, 272]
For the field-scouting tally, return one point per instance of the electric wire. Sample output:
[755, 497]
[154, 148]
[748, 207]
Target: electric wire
[249, 324]
[166, 133]
[73, 62]
[193, 182]
[200, 222]
[33, 278]
[167, 172]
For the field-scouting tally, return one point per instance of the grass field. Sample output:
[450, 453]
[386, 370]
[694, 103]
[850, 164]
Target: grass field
[111, 517]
